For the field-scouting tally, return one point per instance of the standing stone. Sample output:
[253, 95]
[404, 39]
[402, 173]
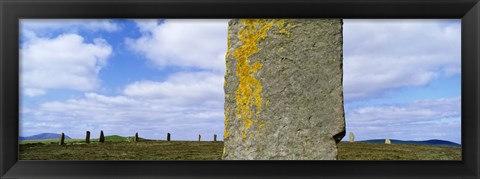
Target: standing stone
[215, 137]
[387, 141]
[102, 137]
[168, 136]
[199, 137]
[352, 137]
[87, 138]
[62, 139]
[136, 137]
[283, 89]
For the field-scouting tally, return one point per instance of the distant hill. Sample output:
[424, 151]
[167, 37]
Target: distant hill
[43, 136]
[434, 142]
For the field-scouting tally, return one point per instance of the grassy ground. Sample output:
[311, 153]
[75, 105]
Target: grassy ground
[369, 151]
[189, 150]
[143, 150]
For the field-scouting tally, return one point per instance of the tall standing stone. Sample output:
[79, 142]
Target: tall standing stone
[102, 137]
[215, 137]
[387, 141]
[352, 137]
[199, 137]
[283, 89]
[62, 139]
[168, 136]
[87, 137]
[136, 137]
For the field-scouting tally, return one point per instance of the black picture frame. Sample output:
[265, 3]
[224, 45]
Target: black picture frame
[13, 10]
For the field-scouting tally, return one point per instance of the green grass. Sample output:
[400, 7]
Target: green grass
[118, 148]
[117, 138]
[49, 141]
[371, 151]
[112, 138]
[143, 150]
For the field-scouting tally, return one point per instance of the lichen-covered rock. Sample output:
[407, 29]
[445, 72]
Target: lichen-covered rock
[387, 141]
[352, 137]
[283, 89]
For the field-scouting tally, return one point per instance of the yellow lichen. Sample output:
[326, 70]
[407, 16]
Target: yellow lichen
[280, 23]
[248, 94]
[261, 125]
[225, 132]
[248, 123]
[249, 88]
[283, 30]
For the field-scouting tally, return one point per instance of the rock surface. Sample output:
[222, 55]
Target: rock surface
[283, 89]
[387, 141]
[102, 137]
[352, 137]
[87, 137]
[62, 139]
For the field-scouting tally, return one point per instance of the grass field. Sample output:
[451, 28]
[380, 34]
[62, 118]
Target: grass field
[121, 149]
[372, 151]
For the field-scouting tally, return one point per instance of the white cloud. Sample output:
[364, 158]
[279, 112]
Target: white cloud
[44, 27]
[32, 92]
[381, 55]
[185, 105]
[63, 62]
[185, 43]
[419, 120]
[182, 87]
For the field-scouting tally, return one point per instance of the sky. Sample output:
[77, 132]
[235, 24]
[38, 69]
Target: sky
[401, 78]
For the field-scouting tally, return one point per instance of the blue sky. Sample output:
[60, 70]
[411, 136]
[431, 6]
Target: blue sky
[401, 78]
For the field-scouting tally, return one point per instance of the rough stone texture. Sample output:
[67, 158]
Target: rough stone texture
[352, 137]
[283, 89]
[387, 141]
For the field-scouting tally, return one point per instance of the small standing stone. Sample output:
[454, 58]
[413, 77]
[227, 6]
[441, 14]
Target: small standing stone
[87, 138]
[136, 137]
[62, 139]
[199, 137]
[102, 137]
[214, 137]
[168, 136]
[387, 141]
[352, 137]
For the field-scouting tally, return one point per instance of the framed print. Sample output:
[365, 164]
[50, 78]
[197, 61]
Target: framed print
[239, 89]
